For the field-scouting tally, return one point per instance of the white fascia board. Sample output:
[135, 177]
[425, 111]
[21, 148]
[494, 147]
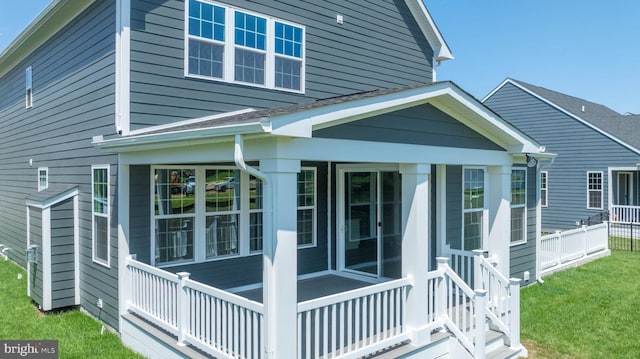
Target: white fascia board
[52, 19]
[584, 122]
[179, 138]
[191, 121]
[441, 51]
[324, 149]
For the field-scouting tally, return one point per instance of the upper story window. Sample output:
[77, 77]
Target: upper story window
[474, 198]
[544, 188]
[233, 45]
[518, 206]
[28, 88]
[594, 190]
[43, 178]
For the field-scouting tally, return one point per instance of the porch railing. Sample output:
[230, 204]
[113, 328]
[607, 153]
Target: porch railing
[217, 322]
[345, 325]
[354, 323]
[565, 247]
[625, 214]
[503, 298]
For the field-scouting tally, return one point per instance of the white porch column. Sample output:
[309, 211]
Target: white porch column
[415, 246]
[500, 216]
[280, 261]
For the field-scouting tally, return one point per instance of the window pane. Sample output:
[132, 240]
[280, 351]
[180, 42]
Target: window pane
[518, 187]
[472, 230]
[249, 67]
[101, 237]
[473, 188]
[100, 191]
[221, 235]
[305, 226]
[288, 40]
[248, 29]
[594, 187]
[205, 59]
[255, 232]
[222, 190]
[174, 191]
[518, 230]
[174, 239]
[288, 73]
[204, 18]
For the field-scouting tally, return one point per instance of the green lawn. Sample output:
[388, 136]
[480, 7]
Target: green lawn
[586, 312]
[79, 335]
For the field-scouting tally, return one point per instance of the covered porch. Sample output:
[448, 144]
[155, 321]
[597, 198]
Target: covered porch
[237, 222]
[624, 198]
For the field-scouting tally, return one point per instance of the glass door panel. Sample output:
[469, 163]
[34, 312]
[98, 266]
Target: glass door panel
[360, 222]
[391, 224]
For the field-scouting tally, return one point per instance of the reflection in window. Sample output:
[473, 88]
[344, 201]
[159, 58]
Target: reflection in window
[256, 197]
[518, 205]
[174, 209]
[222, 203]
[474, 198]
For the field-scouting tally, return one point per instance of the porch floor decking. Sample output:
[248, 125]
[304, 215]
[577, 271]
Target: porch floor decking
[312, 288]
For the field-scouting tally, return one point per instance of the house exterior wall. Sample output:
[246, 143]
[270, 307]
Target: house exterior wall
[454, 206]
[378, 46]
[579, 148]
[73, 100]
[62, 255]
[523, 256]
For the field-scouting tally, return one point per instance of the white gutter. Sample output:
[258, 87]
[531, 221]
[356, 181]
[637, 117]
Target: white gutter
[267, 240]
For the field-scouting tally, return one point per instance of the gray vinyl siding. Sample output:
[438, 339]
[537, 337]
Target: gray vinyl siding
[454, 206]
[379, 46]
[73, 100]
[35, 228]
[421, 125]
[579, 148]
[62, 255]
[523, 256]
[229, 272]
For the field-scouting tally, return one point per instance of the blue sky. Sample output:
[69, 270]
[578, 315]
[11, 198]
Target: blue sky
[584, 48]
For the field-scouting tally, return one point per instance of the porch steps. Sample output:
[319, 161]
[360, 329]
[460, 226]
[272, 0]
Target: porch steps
[165, 340]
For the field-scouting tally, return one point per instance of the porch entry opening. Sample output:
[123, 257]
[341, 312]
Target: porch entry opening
[370, 222]
[624, 195]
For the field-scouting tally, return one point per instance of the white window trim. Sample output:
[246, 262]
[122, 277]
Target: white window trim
[228, 61]
[484, 209]
[46, 178]
[314, 242]
[544, 190]
[601, 189]
[108, 216]
[524, 205]
[28, 100]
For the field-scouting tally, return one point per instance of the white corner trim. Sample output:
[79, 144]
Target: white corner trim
[123, 66]
[46, 259]
[584, 122]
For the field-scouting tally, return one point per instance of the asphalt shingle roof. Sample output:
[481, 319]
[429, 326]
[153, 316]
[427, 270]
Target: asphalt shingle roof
[625, 128]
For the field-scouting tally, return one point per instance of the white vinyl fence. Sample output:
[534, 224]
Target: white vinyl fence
[564, 249]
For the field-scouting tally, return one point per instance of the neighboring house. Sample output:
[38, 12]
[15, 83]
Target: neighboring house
[597, 168]
[262, 179]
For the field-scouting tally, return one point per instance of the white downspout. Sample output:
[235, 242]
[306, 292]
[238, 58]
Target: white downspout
[539, 215]
[267, 239]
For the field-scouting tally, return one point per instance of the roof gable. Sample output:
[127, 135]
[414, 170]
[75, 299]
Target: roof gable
[441, 51]
[619, 128]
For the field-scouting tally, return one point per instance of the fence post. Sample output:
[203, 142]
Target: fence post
[585, 231]
[514, 318]
[182, 303]
[477, 268]
[631, 236]
[559, 247]
[481, 305]
[441, 290]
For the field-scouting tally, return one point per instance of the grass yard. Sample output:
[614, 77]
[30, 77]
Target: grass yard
[78, 334]
[586, 312]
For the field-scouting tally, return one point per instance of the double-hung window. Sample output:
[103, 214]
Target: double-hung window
[43, 178]
[100, 213]
[473, 208]
[518, 206]
[307, 207]
[229, 44]
[544, 188]
[594, 190]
